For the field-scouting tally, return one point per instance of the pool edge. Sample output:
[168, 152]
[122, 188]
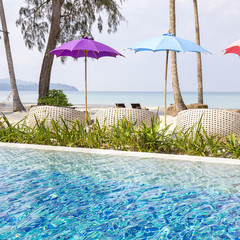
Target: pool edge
[125, 153]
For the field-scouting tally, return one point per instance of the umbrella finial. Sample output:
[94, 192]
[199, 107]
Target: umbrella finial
[169, 33]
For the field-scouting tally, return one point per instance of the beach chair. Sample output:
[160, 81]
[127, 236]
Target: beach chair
[49, 113]
[120, 105]
[216, 122]
[136, 105]
[112, 116]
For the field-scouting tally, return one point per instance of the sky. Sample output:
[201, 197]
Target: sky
[144, 71]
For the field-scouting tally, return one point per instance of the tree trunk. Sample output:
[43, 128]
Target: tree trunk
[17, 104]
[199, 60]
[175, 83]
[44, 80]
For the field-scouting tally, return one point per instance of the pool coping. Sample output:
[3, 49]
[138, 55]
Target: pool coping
[160, 156]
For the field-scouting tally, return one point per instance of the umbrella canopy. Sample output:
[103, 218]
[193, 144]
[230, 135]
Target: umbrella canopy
[233, 48]
[79, 48]
[85, 47]
[167, 42]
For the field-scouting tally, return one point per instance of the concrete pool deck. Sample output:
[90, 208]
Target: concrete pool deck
[159, 156]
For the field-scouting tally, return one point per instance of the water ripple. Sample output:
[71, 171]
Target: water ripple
[49, 195]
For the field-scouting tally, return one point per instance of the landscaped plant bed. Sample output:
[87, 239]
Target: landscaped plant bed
[121, 136]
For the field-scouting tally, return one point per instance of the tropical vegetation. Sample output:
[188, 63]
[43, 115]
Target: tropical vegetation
[199, 57]
[178, 100]
[17, 104]
[54, 97]
[122, 136]
[62, 21]
[48, 23]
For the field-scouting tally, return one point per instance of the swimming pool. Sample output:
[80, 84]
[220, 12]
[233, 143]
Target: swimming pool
[64, 195]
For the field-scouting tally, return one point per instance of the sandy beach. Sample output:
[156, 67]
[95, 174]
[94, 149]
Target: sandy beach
[15, 117]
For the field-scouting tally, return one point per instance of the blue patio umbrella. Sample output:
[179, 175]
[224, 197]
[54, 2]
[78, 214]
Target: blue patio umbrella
[167, 42]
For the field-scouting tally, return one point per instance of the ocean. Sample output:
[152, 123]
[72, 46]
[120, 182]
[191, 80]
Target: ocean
[229, 100]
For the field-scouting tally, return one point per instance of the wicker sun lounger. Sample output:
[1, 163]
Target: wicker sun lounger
[111, 116]
[214, 121]
[120, 105]
[136, 105]
[48, 113]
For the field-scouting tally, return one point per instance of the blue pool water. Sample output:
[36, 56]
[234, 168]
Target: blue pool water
[51, 195]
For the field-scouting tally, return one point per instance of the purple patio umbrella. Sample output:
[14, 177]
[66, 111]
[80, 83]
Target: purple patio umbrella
[85, 47]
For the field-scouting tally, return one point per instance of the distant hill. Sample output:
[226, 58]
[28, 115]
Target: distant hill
[31, 86]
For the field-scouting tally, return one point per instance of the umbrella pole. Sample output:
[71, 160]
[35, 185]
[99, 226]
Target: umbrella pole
[86, 86]
[165, 90]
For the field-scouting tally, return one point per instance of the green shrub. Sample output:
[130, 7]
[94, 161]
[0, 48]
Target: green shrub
[54, 98]
[121, 136]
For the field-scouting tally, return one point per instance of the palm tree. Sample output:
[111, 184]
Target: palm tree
[199, 60]
[175, 83]
[17, 104]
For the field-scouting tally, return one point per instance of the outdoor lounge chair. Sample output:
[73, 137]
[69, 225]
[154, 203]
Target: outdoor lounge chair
[48, 113]
[111, 116]
[136, 105]
[120, 105]
[215, 122]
